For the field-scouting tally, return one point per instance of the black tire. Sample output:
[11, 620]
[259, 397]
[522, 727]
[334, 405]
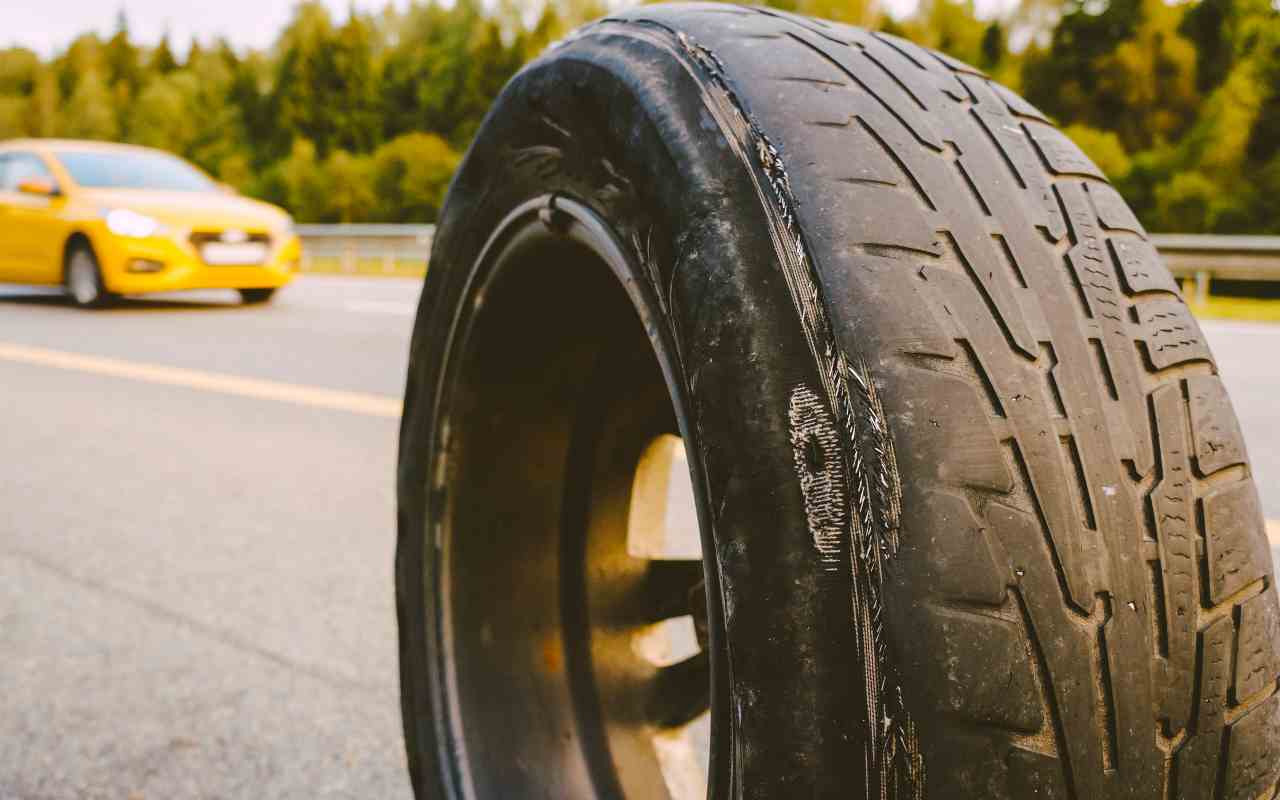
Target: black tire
[82, 277]
[978, 517]
[255, 297]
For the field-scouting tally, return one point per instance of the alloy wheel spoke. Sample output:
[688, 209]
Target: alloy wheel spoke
[681, 692]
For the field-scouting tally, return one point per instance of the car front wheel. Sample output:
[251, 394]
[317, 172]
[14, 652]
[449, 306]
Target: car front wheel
[253, 297]
[84, 279]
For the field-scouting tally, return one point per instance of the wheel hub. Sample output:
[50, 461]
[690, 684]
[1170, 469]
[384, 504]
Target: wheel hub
[576, 647]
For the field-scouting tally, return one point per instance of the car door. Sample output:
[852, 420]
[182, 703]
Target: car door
[30, 225]
[10, 259]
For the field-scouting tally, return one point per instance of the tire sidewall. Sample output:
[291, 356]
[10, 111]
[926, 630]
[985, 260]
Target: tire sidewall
[82, 265]
[616, 120]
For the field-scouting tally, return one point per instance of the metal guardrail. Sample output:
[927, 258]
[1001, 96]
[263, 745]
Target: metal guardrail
[395, 249]
[389, 249]
[1203, 258]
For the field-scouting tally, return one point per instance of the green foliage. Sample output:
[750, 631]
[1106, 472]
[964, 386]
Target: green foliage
[1187, 198]
[18, 70]
[162, 60]
[411, 174]
[1191, 93]
[950, 26]
[326, 85]
[1104, 148]
[13, 116]
[853, 12]
[302, 184]
[363, 118]
[446, 70]
[90, 111]
[1126, 68]
[993, 46]
[123, 60]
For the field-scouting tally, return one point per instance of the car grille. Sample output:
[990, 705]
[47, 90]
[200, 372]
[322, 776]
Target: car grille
[200, 238]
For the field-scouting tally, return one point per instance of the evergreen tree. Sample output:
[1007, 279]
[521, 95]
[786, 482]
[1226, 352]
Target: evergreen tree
[90, 111]
[122, 59]
[162, 60]
[992, 46]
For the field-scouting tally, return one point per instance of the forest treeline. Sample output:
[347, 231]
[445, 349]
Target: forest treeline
[363, 118]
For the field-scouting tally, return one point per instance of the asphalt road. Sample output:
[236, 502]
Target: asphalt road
[196, 584]
[196, 536]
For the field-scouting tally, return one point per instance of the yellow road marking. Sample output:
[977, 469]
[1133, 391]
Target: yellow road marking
[372, 405]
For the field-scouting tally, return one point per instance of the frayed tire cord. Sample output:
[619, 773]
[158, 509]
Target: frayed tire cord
[869, 472]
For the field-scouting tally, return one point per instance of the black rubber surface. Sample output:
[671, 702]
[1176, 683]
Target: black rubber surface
[254, 297]
[257, 296]
[983, 521]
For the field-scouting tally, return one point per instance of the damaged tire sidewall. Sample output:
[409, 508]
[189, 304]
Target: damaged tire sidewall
[617, 120]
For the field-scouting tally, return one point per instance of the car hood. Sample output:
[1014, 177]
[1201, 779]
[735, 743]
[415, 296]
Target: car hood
[194, 210]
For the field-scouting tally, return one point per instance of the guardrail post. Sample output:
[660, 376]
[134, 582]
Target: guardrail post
[1202, 286]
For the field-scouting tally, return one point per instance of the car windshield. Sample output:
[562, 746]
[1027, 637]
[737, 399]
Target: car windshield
[132, 170]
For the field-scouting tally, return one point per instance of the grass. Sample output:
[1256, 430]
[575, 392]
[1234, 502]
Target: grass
[1249, 309]
[366, 267]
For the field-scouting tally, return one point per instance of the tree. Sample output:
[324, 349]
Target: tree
[410, 176]
[1188, 201]
[1150, 78]
[853, 12]
[326, 84]
[122, 60]
[1063, 79]
[1261, 57]
[165, 115]
[90, 112]
[299, 183]
[18, 70]
[1104, 148]
[1125, 69]
[444, 71]
[44, 105]
[13, 116]
[162, 60]
[82, 56]
[993, 46]
[349, 190]
[952, 27]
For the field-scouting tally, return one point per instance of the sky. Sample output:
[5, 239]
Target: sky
[48, 26]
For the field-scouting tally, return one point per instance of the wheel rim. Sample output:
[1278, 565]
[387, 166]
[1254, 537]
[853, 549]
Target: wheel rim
[83, 278]
[666, 661]
[571, 609]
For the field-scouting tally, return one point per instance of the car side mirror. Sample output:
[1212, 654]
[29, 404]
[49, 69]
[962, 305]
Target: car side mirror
[38, 186]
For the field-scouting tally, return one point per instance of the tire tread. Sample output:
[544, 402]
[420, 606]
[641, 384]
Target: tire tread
[1081, 433]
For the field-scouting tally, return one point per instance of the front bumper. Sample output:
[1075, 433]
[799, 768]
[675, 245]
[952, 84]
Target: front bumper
[175, 265]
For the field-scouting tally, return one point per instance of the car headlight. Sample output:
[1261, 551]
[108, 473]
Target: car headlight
[123, 222]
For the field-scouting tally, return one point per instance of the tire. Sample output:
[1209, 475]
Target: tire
[977, 517]
[83, 278]
[256, 297]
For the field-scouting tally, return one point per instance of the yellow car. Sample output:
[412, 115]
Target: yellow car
[106, 219]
